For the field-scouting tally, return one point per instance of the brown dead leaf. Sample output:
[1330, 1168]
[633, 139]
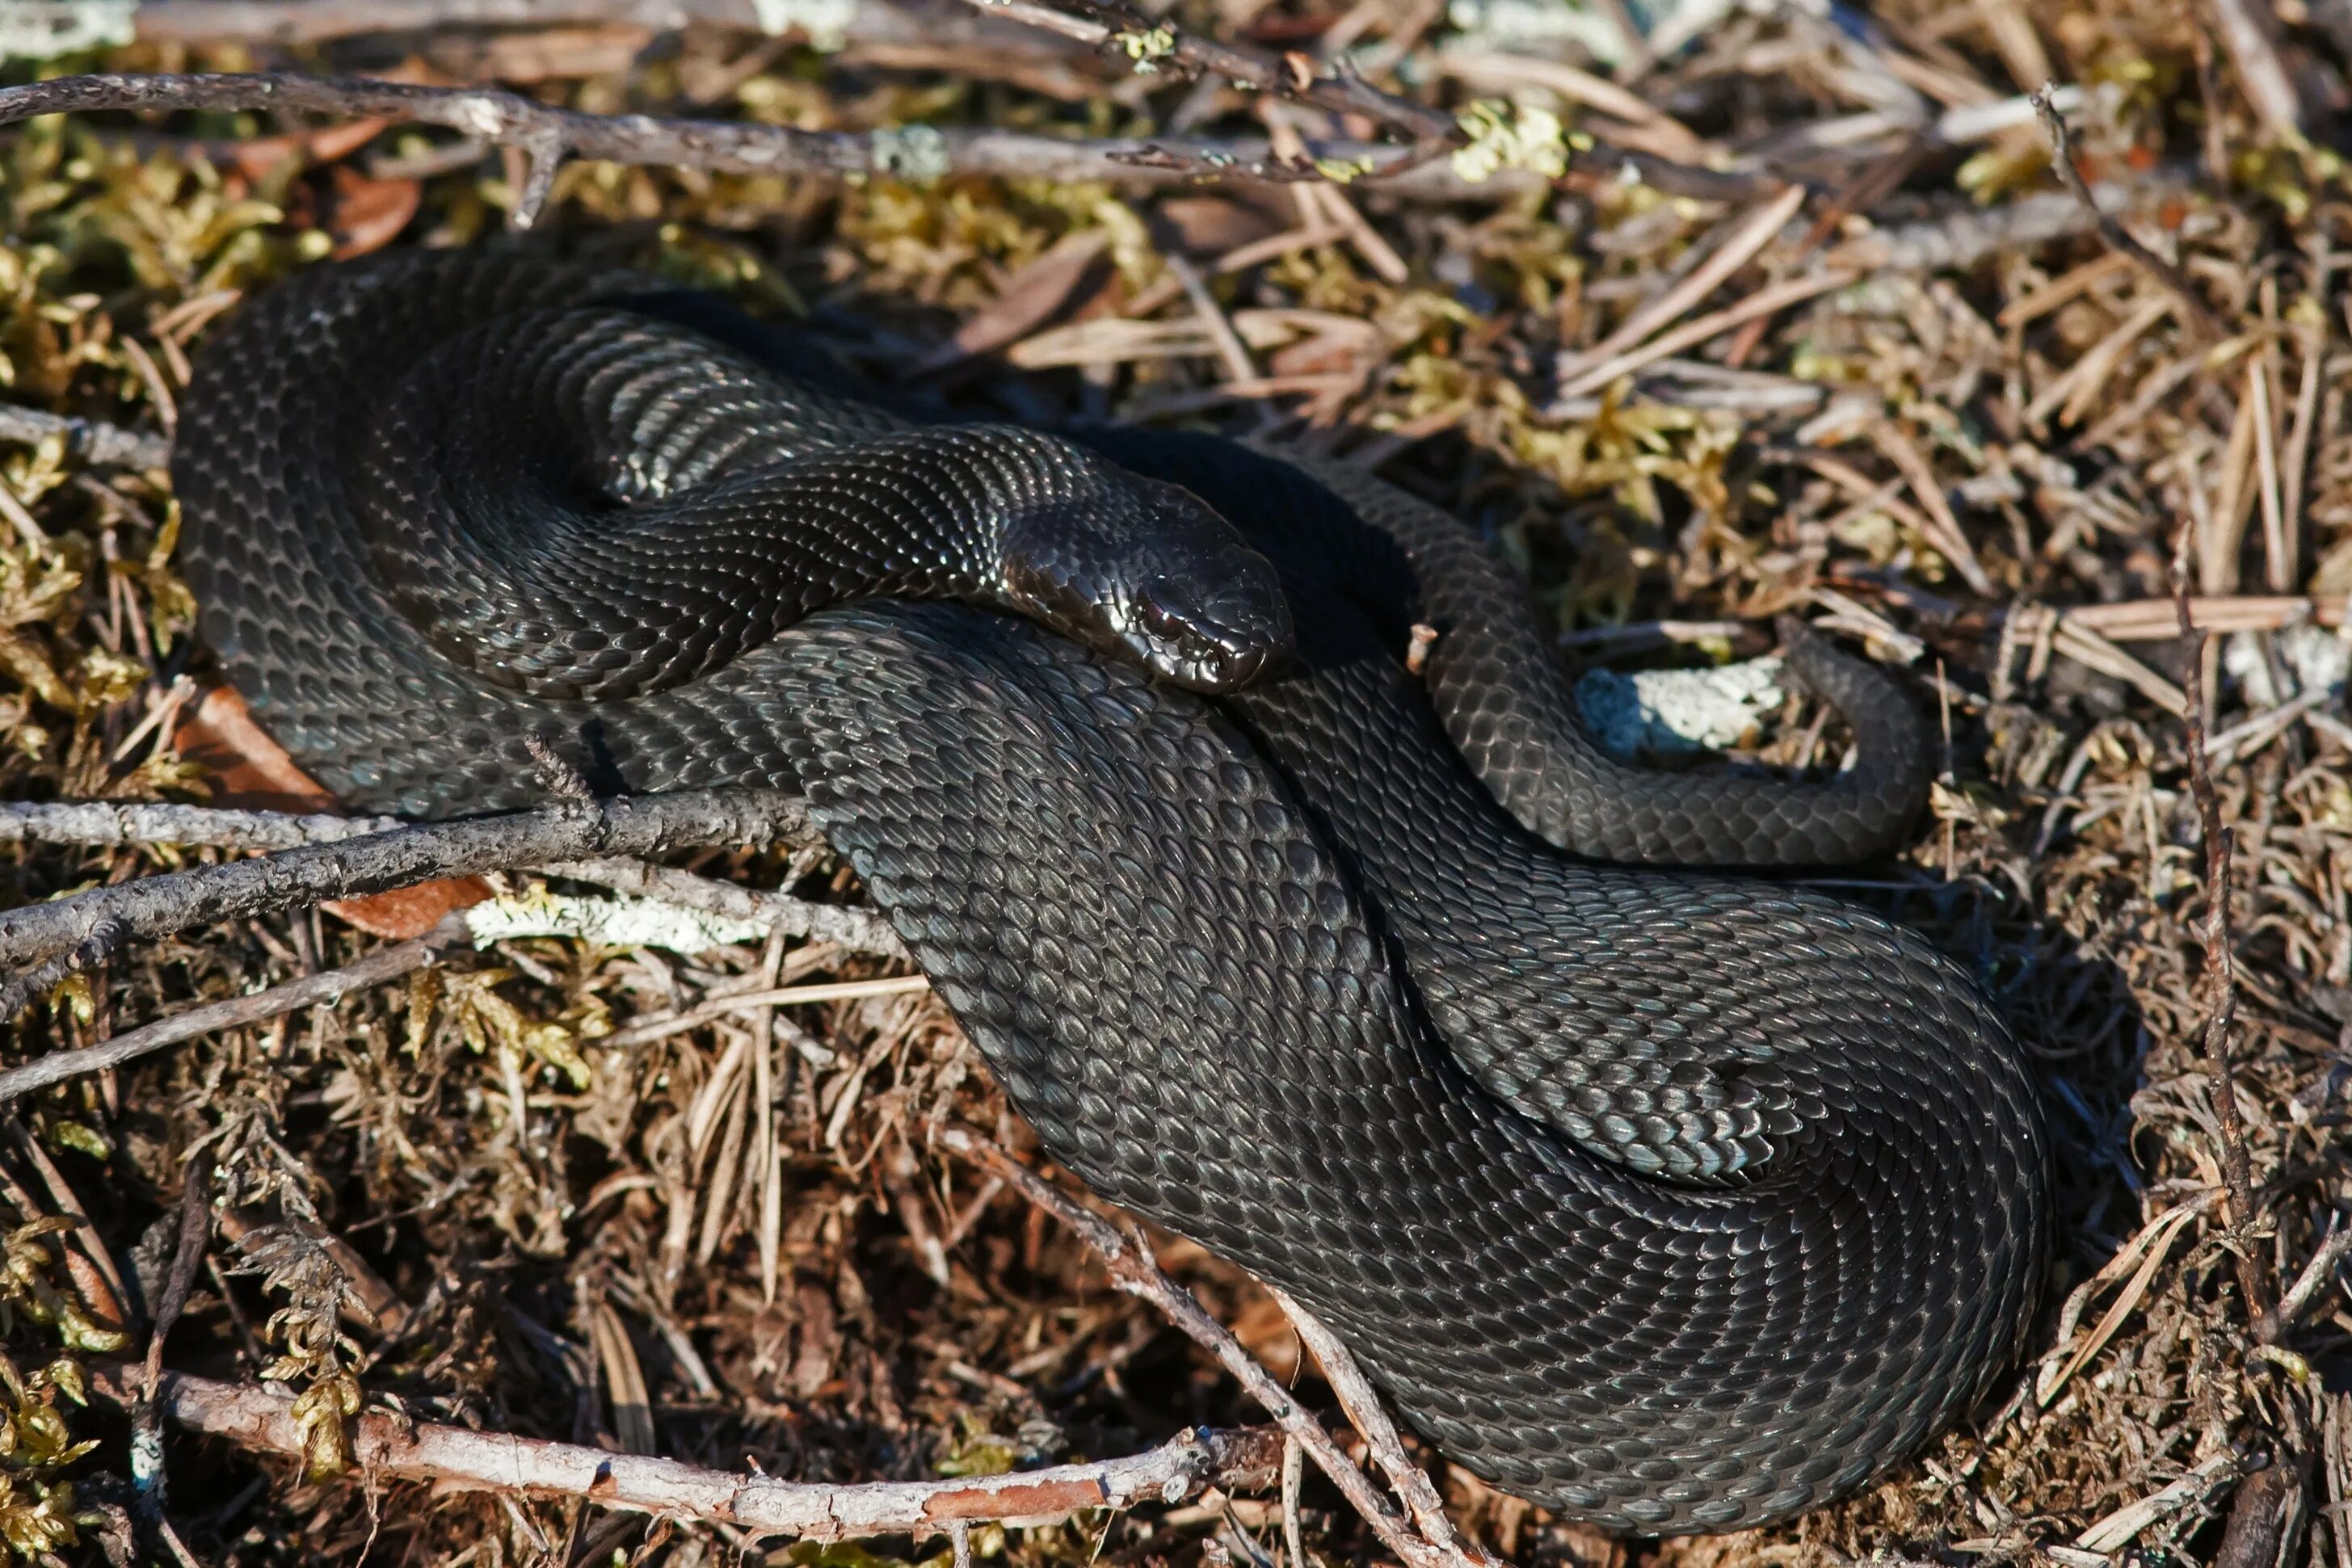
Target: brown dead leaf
[368, 214]
[1207, 225]
[1266, 1332]
[1030, 297]
[252, 772]
[255, 159]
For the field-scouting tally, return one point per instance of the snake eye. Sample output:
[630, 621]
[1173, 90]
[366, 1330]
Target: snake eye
[1157, 615]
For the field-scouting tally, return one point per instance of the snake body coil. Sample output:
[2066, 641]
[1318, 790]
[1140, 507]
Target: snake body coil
[1673, 1200]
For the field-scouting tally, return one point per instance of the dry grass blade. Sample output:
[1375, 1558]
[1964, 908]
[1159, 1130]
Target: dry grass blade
[2147, 1250]
[1765, 301]
[1741, 241]
[2121, 1528]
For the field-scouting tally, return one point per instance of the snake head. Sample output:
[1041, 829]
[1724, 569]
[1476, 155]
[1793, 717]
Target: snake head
[1148, 572]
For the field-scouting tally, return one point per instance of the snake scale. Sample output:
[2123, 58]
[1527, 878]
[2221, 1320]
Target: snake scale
[1671, 1199]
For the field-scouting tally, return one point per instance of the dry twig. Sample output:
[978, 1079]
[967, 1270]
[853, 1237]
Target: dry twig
[1134, 1271]
[457, 1458]
[2198, 316]
[322, 21]
[1363, 1403]
[1292, 76]
[916, 154]
[146, 1420]
[105, 445]
[143, 823]
[100, 822]
[2220, 981]
[60, 937]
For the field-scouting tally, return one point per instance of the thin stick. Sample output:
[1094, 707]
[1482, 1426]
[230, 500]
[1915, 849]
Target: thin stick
[860, 930]
[2220, 981]
[1742, 238]
[109, 446]
[297, 22]
[2316, 1276]
[1341, 90]
[1133, 1271]
[387, 1445]
[314, 990]
[916, 154]
[1763, 302]
[141, 823]
[138, 822]
[188, 1255]
[2199, 317]
[1287, 76]
[69, 934]
[1363, 1403]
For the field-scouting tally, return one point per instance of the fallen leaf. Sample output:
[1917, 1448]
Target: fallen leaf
[1207, 225]
[256, 158]
[252, 772]
[406, 912]
[1030, 297]
[369, 215]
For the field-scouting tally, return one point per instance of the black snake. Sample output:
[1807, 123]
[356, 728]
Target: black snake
[1673, 1200]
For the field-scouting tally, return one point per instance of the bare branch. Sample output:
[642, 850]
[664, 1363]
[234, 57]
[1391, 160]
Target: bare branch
[916, 153]
[2198, 317]
[146, 1422]
[129, 822]
[862, 930]
[322, 21]
[1964, 237]
[1363, 1403]
[1133, 1270]
[2316, 1276]
[142, 822]
[69, 933]
[2268, 1501]
[108, 445]
[456, 1457]
[1292, 76]
[388, 964]
[295, 22]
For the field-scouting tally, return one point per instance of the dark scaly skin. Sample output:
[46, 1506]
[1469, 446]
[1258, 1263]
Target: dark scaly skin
[625, 519]
[1496, 689]
[1675, 1201]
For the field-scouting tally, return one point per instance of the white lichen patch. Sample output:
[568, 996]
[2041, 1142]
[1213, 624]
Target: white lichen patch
[2310, 658]
[610, 922]
[825, 23]
[1679, 711]
[44, 29]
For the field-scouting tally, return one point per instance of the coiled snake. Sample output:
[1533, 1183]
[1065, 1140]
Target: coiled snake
[1673, 1200]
